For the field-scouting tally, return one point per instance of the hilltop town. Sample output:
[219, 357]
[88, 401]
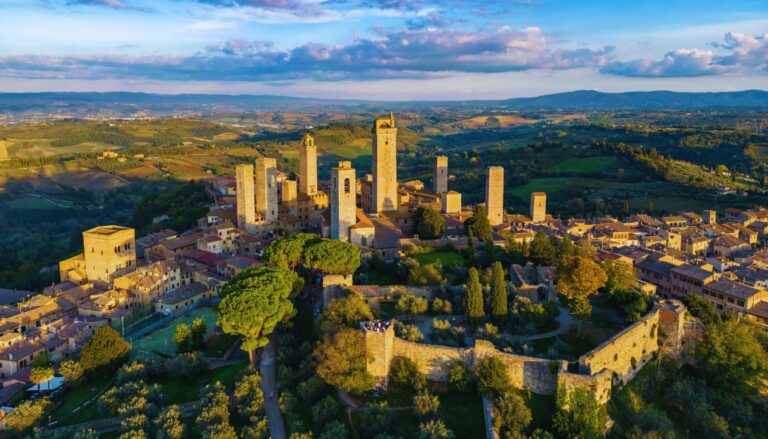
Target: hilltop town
[566, 306]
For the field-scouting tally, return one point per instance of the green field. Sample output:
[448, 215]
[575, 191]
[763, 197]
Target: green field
[585, 164]
[161, 340]
[39, 202]
[445, 258]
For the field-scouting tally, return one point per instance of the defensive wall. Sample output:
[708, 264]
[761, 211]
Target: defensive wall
[614, 362]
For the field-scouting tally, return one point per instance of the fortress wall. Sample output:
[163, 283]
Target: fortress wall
[432, 360]
[626, 352]
[600, 383]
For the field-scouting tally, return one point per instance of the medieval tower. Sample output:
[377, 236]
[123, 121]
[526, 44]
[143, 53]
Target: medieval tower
[246, 210]
[343, 200]
[266, 188]
[440, 179]
[384, 165]
[709, 216]
[308, 165]
[494, 194]
[538, 207]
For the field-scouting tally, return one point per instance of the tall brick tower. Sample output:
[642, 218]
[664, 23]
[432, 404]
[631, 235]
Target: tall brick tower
[246, 210]
[308, 165]
[538, 207]
[494, 194]
[440, 179]
[343, 200]
[384, 165]
[266, 188]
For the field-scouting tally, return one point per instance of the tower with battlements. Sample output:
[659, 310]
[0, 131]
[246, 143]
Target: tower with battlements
[384, 196]
[538, 207]
[246, 210]
[440, 178]
[308, 165]
[343, 200]
[266, 188]
[494, 194]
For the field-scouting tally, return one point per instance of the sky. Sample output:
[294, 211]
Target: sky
[383, 49]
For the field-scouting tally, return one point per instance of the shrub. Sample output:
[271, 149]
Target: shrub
[405, 371]
[492, 376]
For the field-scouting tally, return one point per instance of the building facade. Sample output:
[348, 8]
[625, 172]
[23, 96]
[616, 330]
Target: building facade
[384, 196]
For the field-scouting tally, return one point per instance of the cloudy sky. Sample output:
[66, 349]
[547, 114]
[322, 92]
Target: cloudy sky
[383, 49]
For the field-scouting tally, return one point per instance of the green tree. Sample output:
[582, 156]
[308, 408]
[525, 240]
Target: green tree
[579, 280]
[334, 430]
[199, 329]
[347, 311]
[254, 302]
[71, 371]
[511, 416]
[701, 308]
[478, 224]
[39, 375]
[428, 223]
[250, 398]
[342, 361]
[170, 425]
[579, 414]
[620, 277]
[288, 251]
[434, 429]
[425, 403]
[27, 415]
[475, 311]
[43, 359]
[325, 410]
[542, 250]
[182, 336]
[733, 357]
[331, 256]
[492, 376]
[104, 352]
[499, 307]
[407, 303]
[213, 419]
[86, 434]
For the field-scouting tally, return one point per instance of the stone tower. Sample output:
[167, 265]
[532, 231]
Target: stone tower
[494, 194]
[343, 200]
[246, 210]
[450, 202]
[308, 165]
[266, 188]
[709, 216]
[384, 165]
[440, 179]
[538, 207]
[108, 250]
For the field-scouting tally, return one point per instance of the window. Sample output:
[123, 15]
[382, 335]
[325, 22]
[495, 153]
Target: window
[347, 185]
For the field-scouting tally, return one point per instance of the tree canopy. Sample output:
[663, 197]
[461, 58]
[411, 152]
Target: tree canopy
[478, 224]
[429, 223]
[475, 311]
[620, 276]
[499, 306]
[332, 256]
[254, 302]
[104, 352]
[288, 251]
[342, 361]
[542, 250]
[577, 281]
[347, 311]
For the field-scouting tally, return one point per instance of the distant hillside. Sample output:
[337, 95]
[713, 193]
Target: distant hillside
[17, 107]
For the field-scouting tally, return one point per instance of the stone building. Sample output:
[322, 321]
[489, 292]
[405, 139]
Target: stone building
[343, 200]
[308, 166]
[440, 178]
[246, 209]
[384, 166]
[538, 207]
[266, 188]
[450, 202]
[494, 194]
[108, 251]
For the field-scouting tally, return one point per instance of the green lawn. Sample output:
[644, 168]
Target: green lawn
[178, 390]
[73, 399]
[228, 375]
[584, 164]
[39, 203]
[161, 340]
[445, 257]
[462, 413]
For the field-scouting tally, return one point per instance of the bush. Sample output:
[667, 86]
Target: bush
[408, 332]
[492, 376]
[425, 403]
[442, 306]
[434, 429]
[459, 377]
[27, 415]
[511, 416]
[410, 304]
[404, 371]
[325, 410]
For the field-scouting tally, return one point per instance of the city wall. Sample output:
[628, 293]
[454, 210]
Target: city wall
[614, 362]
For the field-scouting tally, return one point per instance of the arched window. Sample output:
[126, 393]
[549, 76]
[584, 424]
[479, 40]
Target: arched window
[347, 185]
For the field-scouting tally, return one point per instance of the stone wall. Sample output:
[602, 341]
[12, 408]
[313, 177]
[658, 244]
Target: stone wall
[614, 362]
[625, 353]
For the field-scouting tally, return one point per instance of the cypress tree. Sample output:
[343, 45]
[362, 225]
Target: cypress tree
[475, 312]
[498, 294]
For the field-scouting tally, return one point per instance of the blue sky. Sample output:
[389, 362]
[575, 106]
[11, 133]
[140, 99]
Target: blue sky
[383, 49]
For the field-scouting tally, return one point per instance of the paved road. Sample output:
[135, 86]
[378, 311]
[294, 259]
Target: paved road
[269, 387]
